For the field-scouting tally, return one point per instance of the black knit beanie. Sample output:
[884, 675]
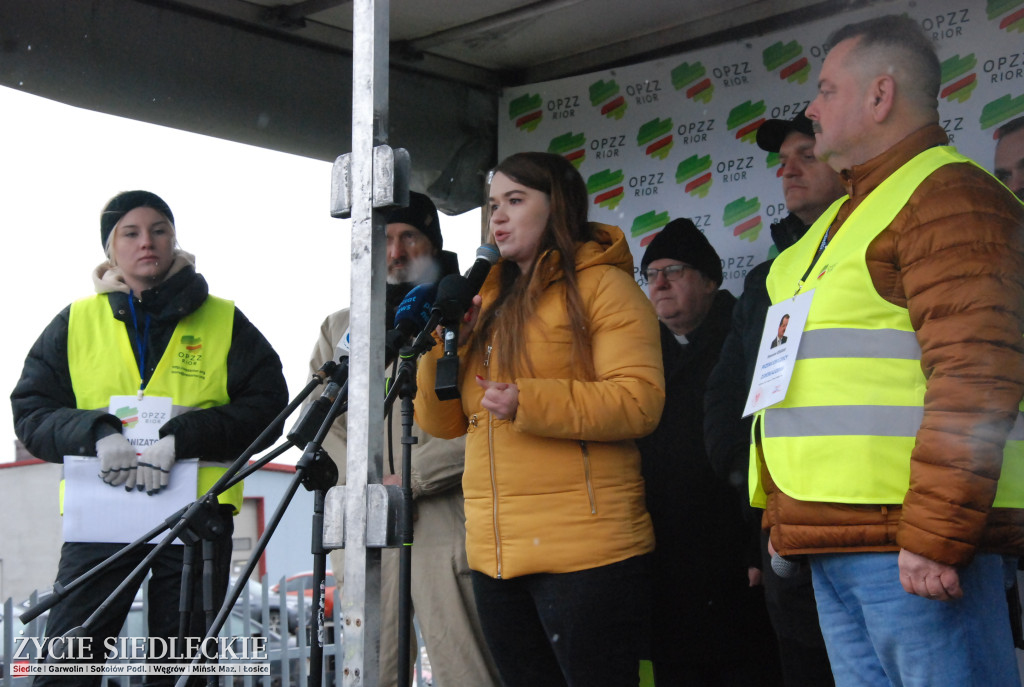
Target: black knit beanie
[123, 203]
[421, 214]
[682, 240]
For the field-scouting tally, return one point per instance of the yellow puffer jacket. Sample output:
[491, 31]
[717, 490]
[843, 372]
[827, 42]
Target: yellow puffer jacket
[559, 488]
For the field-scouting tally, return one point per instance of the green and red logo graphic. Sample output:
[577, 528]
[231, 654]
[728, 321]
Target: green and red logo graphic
[958, 84]
[128, 416]
[570, 146]
[646, 223]
[746, 118]
[744, 218]
[772, 160]
[1000, 110]
[1014, 21]
[695, 171]
[191, 343]
[786, 57]
[526, 111]
[606, 95]
[656, 136]
[694, 78]
[608, 185]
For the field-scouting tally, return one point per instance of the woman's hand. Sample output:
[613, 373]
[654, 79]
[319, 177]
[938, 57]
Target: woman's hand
[501, 398]
[468, 322]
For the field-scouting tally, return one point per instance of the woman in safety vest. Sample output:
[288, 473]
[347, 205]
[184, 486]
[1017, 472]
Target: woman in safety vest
[150, 370]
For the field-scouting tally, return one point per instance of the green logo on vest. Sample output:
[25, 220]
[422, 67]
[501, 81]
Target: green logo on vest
[128, 415]
[192, 343]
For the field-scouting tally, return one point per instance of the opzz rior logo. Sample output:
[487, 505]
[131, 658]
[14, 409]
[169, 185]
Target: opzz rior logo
[1009, 12]
[128, 415]
[958, 84]
[656, 137]
[694, 78]
[608, 187]
[746, 118]
[1000, 110]
[788, 58]
[743, 216]
[526, 111]
[191, 343]
[695, 172]
[606, 95]
[570, 146]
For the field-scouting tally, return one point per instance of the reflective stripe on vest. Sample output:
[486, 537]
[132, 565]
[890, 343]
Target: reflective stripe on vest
[192, 371]
[846, 429]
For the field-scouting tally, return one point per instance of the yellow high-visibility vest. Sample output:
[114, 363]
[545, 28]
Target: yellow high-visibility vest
[846, 429]
[192, 371]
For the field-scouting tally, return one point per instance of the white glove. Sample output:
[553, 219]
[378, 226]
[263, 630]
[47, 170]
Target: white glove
[117, 460]
[155, 465]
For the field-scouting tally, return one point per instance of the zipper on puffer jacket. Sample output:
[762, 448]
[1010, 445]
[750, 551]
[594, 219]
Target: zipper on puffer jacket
[494, 483]
[586, 473]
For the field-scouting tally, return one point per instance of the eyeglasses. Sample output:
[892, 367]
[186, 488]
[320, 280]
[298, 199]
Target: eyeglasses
[671, 272]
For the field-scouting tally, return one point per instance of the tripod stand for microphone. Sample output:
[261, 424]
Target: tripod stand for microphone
[191, 523]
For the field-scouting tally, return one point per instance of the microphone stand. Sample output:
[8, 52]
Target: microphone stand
[189, 522]
[317, 473]
[404, 386]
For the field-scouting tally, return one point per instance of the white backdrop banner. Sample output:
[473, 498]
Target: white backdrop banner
[675, 137]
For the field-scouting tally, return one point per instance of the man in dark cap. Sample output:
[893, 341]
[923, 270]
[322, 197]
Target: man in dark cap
[708, 626]
[441, 591]
[809, 187]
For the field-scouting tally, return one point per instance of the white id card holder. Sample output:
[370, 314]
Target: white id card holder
[783, 328]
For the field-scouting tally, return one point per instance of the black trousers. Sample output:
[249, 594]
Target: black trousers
[164, 595]
[581, 629]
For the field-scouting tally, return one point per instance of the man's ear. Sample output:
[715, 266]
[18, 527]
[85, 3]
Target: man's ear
[882, 97]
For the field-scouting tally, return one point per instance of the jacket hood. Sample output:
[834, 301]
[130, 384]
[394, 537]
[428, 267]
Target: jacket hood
[609, 247]
[107, 278]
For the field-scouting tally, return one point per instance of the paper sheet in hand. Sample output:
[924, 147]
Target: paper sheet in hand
[94, 511]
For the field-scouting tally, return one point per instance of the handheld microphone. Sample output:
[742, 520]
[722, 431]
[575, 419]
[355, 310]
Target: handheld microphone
[785, 567]
[454, 297]
[307, 426]
[411, 317]
[455, 293]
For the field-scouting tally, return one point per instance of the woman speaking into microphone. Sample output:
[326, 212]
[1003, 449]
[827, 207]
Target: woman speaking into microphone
[561, 371]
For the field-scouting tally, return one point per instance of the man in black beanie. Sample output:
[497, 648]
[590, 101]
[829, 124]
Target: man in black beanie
[442, 594]
[809, 187]
[706, 622]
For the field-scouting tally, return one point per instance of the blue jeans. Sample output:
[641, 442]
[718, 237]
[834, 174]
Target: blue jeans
[582, 629]
[879, 635]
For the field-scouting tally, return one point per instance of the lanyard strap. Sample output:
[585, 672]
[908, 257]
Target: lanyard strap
[821, 249]
[141, 340]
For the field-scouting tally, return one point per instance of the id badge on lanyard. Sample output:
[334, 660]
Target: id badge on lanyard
[776, 354]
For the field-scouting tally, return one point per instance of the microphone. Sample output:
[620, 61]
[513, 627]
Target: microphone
[413, 312]
[309, 424]
[454, 298]
[455, 293]
[785, 567]
[412, 317]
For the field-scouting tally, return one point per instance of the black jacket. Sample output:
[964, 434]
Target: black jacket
[50, 426]
[726, 433]
[699, 571]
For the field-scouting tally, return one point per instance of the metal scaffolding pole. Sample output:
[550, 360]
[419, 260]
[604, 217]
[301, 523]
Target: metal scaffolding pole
[361, 602]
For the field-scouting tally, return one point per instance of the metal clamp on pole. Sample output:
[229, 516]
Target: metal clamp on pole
[383, 516]
[392, 168]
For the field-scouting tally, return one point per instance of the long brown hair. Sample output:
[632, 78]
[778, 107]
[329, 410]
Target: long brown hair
[567, 227]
